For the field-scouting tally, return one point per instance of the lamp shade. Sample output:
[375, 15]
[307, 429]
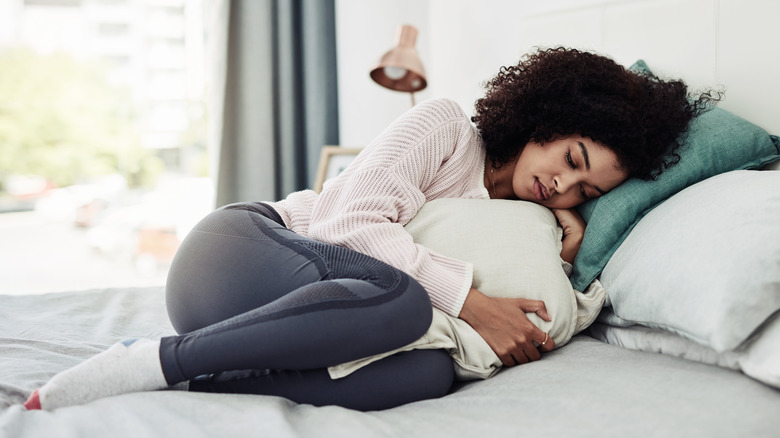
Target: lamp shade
[400, 69]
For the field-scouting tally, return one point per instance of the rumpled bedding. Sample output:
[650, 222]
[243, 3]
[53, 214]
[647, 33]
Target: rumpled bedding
[587, 388]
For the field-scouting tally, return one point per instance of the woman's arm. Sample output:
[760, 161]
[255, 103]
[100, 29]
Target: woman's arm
[429, 152]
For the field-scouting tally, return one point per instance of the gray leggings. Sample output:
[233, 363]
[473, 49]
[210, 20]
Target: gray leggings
[262, 310]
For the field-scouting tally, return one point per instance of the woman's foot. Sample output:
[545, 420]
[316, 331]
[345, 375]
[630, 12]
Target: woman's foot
[128, 366]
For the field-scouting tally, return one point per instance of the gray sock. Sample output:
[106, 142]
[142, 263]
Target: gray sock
[128, 366]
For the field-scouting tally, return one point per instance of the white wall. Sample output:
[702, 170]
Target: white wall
[365, 30]
[463, 43]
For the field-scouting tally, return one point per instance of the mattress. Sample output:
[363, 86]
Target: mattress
[587, 388]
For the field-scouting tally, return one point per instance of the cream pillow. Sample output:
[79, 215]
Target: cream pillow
[514, 247]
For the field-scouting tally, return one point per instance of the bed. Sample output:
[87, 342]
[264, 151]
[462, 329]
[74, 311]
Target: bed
[711, 369]
[588, 388]
[687, 343]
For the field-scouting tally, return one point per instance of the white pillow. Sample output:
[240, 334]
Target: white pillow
[759, 357]
[704, 265]
[514, 247]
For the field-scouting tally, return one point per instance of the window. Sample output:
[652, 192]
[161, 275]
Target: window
[103, 160]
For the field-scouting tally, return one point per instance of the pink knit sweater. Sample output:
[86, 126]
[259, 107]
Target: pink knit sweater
[432, 151]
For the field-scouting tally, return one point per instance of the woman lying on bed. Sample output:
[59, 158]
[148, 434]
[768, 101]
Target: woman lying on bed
[266, 296]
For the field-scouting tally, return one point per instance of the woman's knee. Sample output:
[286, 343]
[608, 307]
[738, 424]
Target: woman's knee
[402, 378]
[408, 377]
[437, 369]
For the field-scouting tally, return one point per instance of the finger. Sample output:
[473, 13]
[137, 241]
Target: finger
[546, 343]
[535, 306]
[520, 358]
[542, 312]
[533, 354]
[565, 213]
[560, 215]
[508, 360]
[569, 220]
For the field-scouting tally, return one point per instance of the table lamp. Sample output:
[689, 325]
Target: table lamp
[400, 69]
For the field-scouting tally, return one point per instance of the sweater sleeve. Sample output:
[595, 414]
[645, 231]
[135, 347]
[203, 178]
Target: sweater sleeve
[411, 162]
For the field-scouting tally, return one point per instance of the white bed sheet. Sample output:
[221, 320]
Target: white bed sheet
[586, 388]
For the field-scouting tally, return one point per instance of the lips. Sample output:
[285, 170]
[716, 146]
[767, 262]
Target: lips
[540, 191]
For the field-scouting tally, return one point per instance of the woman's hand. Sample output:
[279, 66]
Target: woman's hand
[573, 232]
[502, 323]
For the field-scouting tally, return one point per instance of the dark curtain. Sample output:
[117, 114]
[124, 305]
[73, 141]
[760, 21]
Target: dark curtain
[280, 98]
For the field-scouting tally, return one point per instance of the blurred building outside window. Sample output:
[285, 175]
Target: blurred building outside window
[103, 160]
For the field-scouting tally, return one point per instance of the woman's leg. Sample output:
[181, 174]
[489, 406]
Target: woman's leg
[274, 299]
[311, 305]
[393, 381]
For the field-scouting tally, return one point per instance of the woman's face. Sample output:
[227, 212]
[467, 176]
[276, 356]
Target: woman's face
[566, 172]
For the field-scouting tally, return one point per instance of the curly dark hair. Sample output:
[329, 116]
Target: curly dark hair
[558, 92]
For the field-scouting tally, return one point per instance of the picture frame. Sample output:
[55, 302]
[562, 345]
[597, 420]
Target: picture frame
[333, 160]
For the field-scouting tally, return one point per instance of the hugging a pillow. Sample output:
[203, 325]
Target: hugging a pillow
[514, 247]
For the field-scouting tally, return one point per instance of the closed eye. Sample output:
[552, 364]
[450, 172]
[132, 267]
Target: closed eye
[583, 194]
[569, 161]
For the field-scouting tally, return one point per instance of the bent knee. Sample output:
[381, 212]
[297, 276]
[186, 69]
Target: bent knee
[429, 375]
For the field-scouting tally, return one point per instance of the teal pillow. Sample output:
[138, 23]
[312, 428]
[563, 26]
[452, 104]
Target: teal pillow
[717, 142]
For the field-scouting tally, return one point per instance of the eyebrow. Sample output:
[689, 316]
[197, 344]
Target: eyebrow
[587, 163]
[584, 154]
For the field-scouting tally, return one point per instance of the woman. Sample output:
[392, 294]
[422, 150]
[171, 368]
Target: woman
[267, 296]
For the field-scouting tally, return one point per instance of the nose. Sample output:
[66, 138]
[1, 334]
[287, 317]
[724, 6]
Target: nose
[562, 185]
